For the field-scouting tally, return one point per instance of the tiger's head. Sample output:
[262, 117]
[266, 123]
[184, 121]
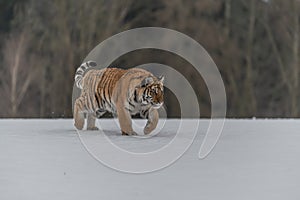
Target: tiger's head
[153, 91]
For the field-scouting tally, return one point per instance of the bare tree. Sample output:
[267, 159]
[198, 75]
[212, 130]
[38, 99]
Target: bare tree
[249, 71]
[288, 61]
[17, 74]
[254, 43]
[295, 64]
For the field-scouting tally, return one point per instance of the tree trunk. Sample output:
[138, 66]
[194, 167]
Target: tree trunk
[15, 64]
[249, 71]
[295, 92]
[227, 17]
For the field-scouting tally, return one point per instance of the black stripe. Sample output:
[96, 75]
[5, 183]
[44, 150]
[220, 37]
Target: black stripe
[97, 101]
[83, 67]
[144, 94]
[131, 104]
[136, 77]
[127, 109]
[102, 103]
[108, 89]
[135, 97]
[104, 96]
[79, 71]
[145, 113]
[103, 83]
[92, 63]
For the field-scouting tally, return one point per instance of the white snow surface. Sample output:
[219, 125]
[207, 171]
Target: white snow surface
[43, 159]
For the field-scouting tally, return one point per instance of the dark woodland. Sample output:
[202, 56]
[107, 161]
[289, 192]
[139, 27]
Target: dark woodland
[254, 43]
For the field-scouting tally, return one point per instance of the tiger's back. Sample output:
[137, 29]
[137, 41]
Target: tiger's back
[98, 86]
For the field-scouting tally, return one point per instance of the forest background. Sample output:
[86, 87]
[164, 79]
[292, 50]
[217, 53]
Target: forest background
[254, 43]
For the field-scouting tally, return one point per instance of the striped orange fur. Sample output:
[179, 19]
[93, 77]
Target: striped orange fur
[121, 92]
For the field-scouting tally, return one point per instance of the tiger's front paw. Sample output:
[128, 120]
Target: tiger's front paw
[95, 128]
[148, 130]
[79, 124]
[129, 133]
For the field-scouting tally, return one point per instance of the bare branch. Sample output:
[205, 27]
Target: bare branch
[278, 56]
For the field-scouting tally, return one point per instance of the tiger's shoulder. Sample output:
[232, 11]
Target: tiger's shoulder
[130, 80]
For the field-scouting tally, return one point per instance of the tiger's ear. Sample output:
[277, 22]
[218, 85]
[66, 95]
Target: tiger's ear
[146, 81]
[161, 79]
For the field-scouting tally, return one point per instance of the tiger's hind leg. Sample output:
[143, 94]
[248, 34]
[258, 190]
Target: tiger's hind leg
[100, 112]
[152, 121]
[79, 113]
[91, 119]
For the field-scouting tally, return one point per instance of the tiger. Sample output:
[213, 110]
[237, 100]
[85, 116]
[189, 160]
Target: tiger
[122, 92]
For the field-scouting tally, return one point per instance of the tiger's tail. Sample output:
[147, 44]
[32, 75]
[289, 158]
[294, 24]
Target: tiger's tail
[81, 70]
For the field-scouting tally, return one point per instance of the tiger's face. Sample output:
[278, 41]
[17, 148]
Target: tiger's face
[154, 93]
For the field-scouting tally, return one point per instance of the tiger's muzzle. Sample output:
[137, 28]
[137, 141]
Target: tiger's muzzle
[157, 105]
